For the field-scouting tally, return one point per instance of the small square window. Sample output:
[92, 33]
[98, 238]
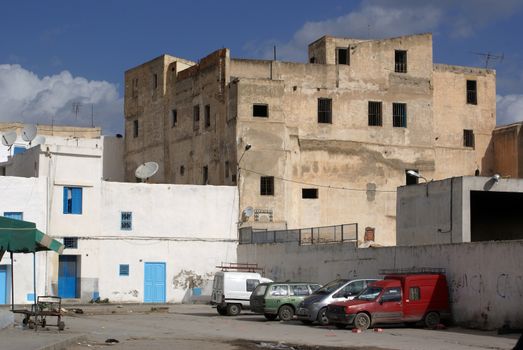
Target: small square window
[124, 269]
[411, 179]
[342, 55]
[375, 118]
[324, 110]
[72, 200]
[71, 242]
[126, 221]
[174, 118]
[182, 170]
[399, 115]
[309, 193]
[400, 61]
[468, 138]
[260, 110]
[472, 92]
[135, 128]
[196, 117]
[414, 294]
[267, 186]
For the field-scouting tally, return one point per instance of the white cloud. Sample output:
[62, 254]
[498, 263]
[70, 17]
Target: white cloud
[509, 109]
[25, 97]
[368, 22]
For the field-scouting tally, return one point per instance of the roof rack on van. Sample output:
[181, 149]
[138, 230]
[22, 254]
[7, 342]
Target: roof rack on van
[412, 271]
[245, 267]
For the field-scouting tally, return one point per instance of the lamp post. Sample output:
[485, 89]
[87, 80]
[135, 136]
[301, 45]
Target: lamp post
[238, 171]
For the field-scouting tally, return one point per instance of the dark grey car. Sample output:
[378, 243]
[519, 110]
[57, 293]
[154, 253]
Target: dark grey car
[313, 308]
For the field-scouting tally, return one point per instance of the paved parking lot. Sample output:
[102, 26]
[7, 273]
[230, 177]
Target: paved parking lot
[199, 326]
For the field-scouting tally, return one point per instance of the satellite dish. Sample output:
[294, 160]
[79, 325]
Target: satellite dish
[248, 212]
[146, 170]
[9, 138]
[39, 140]
[28, 133]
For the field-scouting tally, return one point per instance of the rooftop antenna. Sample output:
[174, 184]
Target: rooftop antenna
[146, 170]
[8, 139]
[490, 57]
[92, 115]
[274, 53]
[29, 133]
[76, 109]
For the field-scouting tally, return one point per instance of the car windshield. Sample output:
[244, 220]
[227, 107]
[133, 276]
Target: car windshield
[371, 293]
[260, 290]
[330, 287]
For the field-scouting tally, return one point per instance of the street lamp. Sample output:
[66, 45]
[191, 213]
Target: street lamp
[238, 170]
[416, 174]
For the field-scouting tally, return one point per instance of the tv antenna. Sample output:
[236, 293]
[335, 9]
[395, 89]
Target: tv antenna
[76, 109]
[146, 170]
[29, 133]
[8, 139]
[490, 57]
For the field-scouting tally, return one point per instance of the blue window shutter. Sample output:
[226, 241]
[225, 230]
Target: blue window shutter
[77, 200]
[65, 200]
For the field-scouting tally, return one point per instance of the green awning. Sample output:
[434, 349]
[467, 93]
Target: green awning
[19, 236]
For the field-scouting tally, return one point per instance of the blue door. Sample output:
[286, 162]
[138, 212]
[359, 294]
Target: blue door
[154, 283]
[67, 276]
[3, 284]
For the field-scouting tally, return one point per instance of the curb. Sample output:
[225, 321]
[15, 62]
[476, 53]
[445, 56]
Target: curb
[63, 344]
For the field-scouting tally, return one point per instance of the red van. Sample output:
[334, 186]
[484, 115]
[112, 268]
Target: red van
[397, 298]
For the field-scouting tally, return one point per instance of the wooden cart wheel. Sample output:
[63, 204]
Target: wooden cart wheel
[61, 325]
[43, 322]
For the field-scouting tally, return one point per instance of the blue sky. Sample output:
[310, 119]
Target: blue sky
[53, 53]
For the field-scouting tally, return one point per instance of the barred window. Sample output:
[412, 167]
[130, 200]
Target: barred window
[207, 116]
[399, 115]
[267, 186]
[468, 138]
[414, 294]
[400, 61]
[375, 114]
[472, 92]
[126, 221]
[324, 110]
[71, 242]
[196, 117]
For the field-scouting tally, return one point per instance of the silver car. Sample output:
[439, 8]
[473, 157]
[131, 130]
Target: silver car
[313, 307]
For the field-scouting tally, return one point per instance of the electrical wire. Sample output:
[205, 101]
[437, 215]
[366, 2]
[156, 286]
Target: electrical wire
[318, 185]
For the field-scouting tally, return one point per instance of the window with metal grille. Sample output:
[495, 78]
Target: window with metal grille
[207, 116]
[324, 110]
[260, 110]
[472, 92]
[468, 138]
[126, 221]
[174, 118]
[267, 186]
[414, 294]
[400, 61]
[124, 269]
[342, 55]
[375, 114]
[399, 115]
[135, 128]
[71, 242]
[72, 200]
[205, 174]
[309, 193]
[17, 215]
[196, 117]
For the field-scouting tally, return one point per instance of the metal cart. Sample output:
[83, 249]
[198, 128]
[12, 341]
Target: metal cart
[46, 306]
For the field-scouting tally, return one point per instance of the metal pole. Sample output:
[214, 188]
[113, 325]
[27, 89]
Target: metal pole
[34, 290]
[12, 284]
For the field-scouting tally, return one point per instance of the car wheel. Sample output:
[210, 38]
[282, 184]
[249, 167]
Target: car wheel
[431, 319]
[286, 313]
[362, 321]
[233, 309]
[322, 317]
[270, 317]
[340, 325]
[221, 310]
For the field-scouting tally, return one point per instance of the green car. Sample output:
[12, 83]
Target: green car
[280, 299]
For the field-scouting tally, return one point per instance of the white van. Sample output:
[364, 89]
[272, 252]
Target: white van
[231, 290]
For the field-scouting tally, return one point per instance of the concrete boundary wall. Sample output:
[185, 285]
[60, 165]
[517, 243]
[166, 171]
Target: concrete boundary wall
[485, 278]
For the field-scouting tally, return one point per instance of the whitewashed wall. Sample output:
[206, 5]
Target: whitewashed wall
[485, 278]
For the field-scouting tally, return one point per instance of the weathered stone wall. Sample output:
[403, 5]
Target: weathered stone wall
[485, 290]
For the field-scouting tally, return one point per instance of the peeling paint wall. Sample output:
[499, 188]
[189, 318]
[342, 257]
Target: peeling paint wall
[485, 290]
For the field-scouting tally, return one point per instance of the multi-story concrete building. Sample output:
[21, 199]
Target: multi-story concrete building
[330, 140]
